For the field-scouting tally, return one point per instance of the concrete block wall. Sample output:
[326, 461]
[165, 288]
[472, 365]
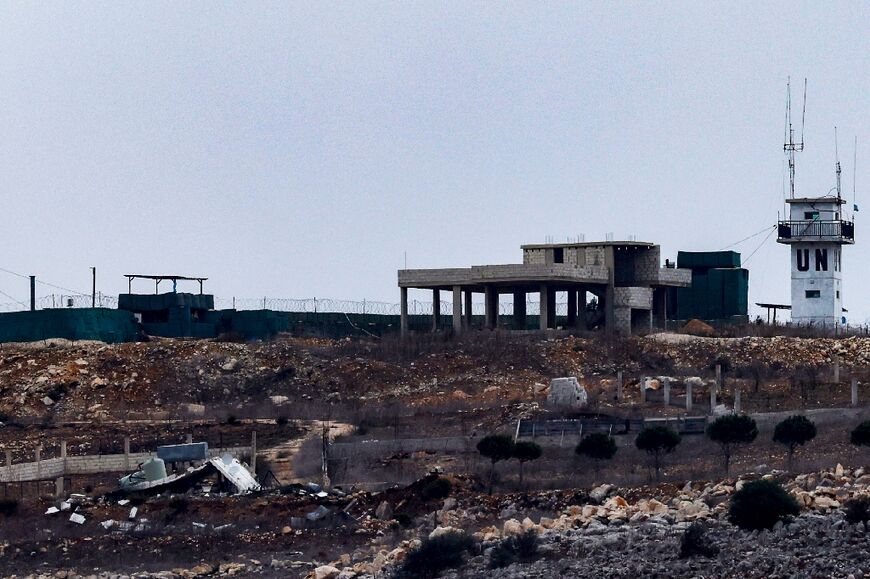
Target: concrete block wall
[535, 256]
[595, 256]
[622, 320]
[647, 264]
[639, 298]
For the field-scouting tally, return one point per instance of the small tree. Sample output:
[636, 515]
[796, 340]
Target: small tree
[730, 432]
[525, 451]
[496, 447]
[657, 441]
[792, 432]
[598, 447]
[861, 434]
[760, 504]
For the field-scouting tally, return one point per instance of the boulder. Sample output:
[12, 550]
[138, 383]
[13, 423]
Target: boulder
[512, 527]
[325, 572]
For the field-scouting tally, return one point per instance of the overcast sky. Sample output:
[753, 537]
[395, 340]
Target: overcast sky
[293, 150]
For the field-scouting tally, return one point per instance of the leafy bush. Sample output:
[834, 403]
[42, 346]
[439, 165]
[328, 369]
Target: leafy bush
[858, 510]
[861, 434]
[731, 431]
[496, 447]
[597, 446]
[760, 504]
[525, 451]
[657, 441]
[523, 547]
[792, 432]
[435, 555]
[437, 489]
[8, 507]
[696, 542]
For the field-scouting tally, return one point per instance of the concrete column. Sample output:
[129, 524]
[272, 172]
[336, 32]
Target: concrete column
[737, 406]
[688, 396]
[712, 398]
[469, 308]
[667, 389]
[660, 307]
[572, 308]
[126, 453]
[551, 308]
[457, 309]
[718, 378]
[854, 392]
[403, 312]
[8, 458]
[254, 452]
[544, 314]
[38, 455]
[436, 309]
[619, 385]
[63, 449]
[836, 369]
[491, 299]
[643, 390]
[607, 296]
[58, 487]
[519, 310]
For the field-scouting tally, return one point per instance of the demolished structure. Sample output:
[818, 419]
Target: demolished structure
[625, 277]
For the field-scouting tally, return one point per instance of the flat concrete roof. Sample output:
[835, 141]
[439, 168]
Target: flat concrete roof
[588, 244]
[838, 200]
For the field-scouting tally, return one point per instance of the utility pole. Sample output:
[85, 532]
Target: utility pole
[93, 287]
[33, 293]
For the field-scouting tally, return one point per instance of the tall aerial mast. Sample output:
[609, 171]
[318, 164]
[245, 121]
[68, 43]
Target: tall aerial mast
[790, 146]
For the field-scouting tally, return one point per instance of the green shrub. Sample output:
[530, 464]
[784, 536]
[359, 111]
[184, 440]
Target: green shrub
[445, 551]
[437, 489]
[858, 510]
[657, 441]
[760, 504]
[495, 447]
[522, 548]
[598, 447]
[731, 431]
[696, 542]
[525, 451]
[861, 434]
[8, 507]
[792, 432]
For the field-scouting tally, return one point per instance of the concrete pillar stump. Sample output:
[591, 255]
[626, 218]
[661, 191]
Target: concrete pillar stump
[457, 309]
[619, 385]
[667, 391]
[688, 396]
[854, 392]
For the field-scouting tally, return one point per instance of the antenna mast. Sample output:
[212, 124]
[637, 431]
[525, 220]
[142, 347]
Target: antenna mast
[837, 157]
[790, 146]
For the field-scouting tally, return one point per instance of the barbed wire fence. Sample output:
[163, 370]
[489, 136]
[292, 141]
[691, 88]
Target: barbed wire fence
[292, 305]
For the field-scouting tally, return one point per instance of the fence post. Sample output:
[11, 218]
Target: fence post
[38, 453]
[667, 387]
[688, 396]
[8, 457]
[836, 369]
[718, 378]
[126, 453]
[254, 452]
[737, 399]
[712, 398]
[854, 392]
[619, 385]
[643, 390]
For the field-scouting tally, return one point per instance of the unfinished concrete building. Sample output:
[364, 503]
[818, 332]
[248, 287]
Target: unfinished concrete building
[625, 277]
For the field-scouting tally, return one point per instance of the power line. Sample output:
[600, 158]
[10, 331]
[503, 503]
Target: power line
[759, 246]
[747, 238]
[45, 283]
[13, 299]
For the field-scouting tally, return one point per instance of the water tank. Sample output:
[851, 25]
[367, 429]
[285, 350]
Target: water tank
[154, 469]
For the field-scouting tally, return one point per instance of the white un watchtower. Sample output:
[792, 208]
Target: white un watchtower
[816, 229]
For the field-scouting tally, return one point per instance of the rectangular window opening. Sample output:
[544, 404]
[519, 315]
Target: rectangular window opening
[559, 255]
[811, 214]
[811, 294]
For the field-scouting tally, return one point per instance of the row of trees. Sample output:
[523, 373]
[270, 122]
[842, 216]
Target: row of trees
[730, 432]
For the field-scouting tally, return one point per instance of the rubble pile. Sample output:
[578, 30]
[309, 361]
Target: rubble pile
[591, 539]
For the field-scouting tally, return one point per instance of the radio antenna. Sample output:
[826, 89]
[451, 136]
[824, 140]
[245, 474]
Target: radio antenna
[837, 159]
[790, 146]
